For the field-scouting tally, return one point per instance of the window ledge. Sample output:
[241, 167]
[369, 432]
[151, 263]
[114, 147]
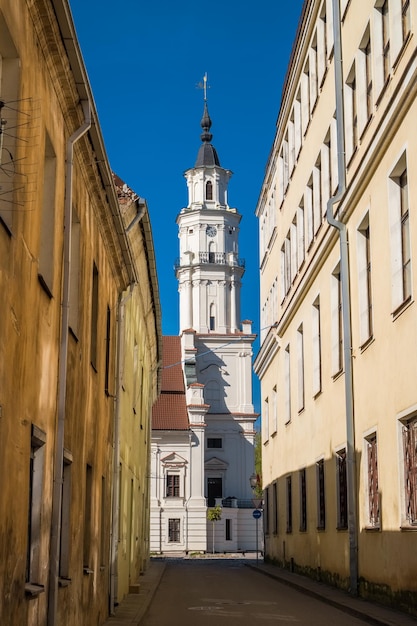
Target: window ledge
[367, 343]
[87, 571]
[34, 589]
[338, 374]
[64, 582]
[408, 527]
[373, 529]
[400, 309]
[45, 286]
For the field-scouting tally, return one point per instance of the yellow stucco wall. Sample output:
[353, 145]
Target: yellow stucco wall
[383, 369]
[47, 83]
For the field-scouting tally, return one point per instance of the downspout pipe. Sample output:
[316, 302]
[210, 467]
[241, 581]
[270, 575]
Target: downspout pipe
[62, 372]
[346, 307]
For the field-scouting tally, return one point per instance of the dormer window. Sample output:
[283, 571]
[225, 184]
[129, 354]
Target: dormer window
[209, 190]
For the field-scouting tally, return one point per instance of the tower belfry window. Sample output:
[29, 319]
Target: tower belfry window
[209, 190]
[212, 317]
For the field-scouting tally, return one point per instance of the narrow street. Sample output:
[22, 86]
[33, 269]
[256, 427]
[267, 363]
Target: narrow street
[227, 591]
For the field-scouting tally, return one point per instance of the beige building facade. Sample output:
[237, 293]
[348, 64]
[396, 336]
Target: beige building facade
[67, 261]
[338, 236]
[137, 388]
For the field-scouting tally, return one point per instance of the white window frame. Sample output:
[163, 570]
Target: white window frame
[381, 47]
[294, 248]
[314, 87]
[265, 420]
[399, 296]
[298, 132]
[274, 424]
[333, 155]
[364, 79]
[305, 98]
[317, 197]
[300, 368]
[336, 322]
[351, 113]
[300, 234]
[364, 267]
[326, 176]
[287, 384]
[322, 45]
[309, 213]
[316, 347]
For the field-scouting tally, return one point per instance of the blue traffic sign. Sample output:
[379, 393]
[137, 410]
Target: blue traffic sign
[257, 513]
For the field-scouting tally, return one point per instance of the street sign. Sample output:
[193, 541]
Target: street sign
[257, 513]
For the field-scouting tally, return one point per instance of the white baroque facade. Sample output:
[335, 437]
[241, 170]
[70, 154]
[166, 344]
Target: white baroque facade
[216, 357]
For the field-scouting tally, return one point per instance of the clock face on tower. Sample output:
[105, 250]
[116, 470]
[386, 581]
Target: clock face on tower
[211, 231]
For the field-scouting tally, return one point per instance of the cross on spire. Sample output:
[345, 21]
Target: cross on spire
[204, 86]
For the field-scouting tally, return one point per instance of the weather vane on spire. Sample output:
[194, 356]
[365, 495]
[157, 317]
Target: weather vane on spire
[203, 85]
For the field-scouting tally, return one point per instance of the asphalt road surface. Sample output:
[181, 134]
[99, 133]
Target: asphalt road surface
[223, 592]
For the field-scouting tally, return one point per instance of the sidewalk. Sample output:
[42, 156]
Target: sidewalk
[370, 612]
[135, 605]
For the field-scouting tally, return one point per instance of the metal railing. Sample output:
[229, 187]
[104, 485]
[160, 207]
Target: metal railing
[215, 258]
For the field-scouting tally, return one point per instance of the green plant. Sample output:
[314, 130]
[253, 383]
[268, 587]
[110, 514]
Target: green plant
[214, 515]
[258, 493]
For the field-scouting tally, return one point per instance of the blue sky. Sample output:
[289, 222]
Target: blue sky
[144, 60]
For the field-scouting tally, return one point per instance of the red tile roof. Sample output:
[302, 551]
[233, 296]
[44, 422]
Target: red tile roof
[172, 376]
[170, 410]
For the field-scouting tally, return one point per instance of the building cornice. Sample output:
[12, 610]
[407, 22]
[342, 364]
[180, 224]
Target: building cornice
[267, 353]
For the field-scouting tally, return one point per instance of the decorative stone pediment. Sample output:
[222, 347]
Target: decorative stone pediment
[216, 464]
[174, 460]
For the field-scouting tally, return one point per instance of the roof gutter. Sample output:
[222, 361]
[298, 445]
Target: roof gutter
[70, 42]
[346, 307]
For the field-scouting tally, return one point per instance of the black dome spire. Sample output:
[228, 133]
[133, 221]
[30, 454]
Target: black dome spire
[205, 124]
[207, 155]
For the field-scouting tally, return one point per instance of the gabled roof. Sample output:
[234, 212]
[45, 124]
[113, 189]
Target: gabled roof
[170, 410]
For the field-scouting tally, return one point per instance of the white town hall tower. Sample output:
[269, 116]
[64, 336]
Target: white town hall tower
[203, 423]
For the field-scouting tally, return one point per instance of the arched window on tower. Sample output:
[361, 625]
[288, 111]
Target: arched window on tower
[209, 190]
[212, 252]
[212, 325]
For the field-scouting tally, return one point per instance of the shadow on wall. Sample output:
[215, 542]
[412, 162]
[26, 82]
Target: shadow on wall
[306, 531]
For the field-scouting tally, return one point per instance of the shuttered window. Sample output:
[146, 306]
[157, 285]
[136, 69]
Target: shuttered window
[173, 486]
[373, 491]
[174, 530]
[342, 505]
[409, 432]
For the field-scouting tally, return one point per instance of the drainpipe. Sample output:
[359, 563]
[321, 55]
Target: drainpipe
[62, 373]
[116, 449]
[344, 280]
